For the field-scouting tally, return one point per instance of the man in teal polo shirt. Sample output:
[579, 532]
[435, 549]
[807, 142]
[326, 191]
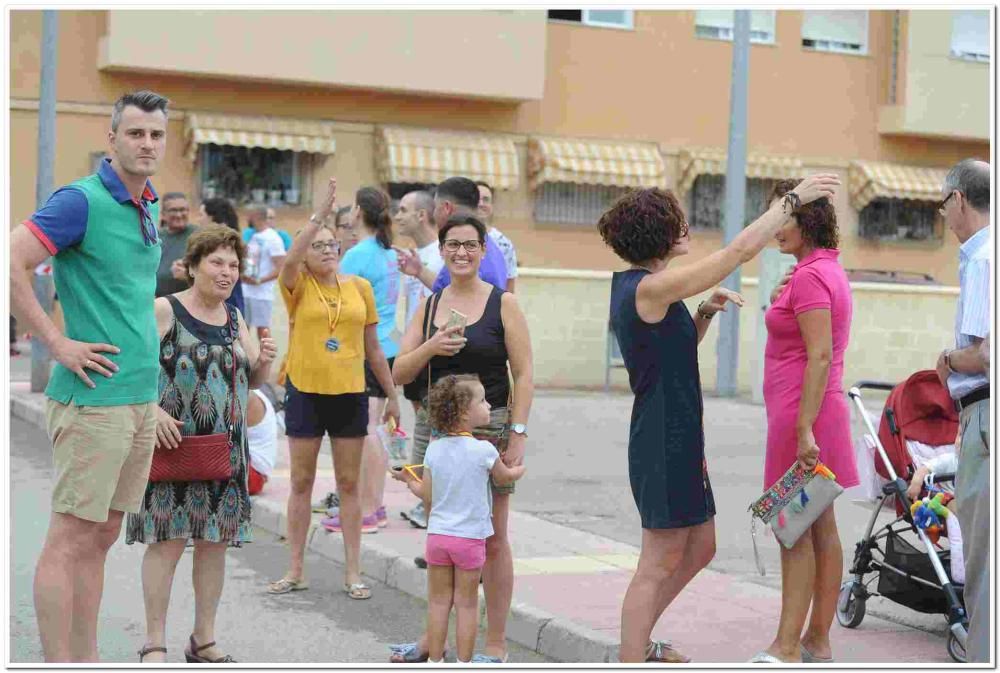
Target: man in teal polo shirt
[101, 233]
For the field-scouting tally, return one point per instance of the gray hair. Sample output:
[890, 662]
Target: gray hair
[147, 101]
[257, 213]
[972, 178]
[173, 196]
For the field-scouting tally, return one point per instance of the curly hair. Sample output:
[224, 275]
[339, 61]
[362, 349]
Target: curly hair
[817, 220]
[643, 225]
[450, 399]
[207, 240]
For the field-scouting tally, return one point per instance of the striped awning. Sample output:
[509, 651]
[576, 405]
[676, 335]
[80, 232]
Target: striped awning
[712, 161]
[282, 133]
[430, 156]
[590, 162]
[869, 180]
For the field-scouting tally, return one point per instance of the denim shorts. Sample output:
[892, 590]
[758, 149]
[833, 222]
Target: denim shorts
[314, 414]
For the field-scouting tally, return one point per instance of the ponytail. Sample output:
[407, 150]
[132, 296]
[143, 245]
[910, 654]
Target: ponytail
[374, 205]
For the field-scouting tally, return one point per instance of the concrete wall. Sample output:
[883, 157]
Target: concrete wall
[896, 331]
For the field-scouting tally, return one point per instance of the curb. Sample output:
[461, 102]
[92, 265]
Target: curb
[527, 626]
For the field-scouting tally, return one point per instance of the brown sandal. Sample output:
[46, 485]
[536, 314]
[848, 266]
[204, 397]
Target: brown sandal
[193, 657]
[149, 650]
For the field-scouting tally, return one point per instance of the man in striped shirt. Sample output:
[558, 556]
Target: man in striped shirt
[966, 210]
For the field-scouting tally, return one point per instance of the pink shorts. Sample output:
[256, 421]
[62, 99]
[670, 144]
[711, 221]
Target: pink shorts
[461, 552]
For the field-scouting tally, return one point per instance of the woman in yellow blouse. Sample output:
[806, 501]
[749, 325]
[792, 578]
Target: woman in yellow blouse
[335, 333]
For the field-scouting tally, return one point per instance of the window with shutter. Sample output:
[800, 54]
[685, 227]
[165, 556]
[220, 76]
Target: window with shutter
[717, 24]
[844, 31]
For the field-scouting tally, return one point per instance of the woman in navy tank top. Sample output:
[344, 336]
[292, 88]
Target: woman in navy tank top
[659, 344]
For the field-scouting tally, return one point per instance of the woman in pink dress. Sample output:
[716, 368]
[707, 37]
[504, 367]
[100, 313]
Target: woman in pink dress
[808, 326]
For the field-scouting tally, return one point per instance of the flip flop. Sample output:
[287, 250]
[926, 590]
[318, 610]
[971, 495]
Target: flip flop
[763, 657]
[358, 591]
[286, 585]
[663, 652]
[810, 658]
[488, 659]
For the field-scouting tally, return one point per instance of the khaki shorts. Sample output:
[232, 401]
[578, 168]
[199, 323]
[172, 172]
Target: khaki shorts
[101, 457]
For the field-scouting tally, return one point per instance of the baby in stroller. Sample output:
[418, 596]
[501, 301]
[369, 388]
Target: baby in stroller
[923, 481]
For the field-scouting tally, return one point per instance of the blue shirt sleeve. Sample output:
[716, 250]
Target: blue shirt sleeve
[248, 234]
[494, 267]
[975, 318]
[442, 281]
[286, 238]
[62, 221]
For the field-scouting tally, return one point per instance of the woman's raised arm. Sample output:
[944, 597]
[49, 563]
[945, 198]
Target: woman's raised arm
[657, 291]
[300, 245]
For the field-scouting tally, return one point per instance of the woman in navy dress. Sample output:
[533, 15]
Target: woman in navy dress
[659, 343]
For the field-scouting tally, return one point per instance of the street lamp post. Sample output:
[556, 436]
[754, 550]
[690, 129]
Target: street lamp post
[727, 347]
[40, 357]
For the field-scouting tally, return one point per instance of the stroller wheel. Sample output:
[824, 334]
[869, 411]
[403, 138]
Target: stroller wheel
[851, 604]
[955, 649]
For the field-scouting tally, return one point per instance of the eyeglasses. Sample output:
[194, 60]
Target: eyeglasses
[940, 207]
[451, 245]
[320, 246]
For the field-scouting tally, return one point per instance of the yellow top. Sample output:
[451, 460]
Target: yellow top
[319, 321]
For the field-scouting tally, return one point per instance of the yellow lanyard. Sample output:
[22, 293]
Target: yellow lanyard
[332, 320]
[459, 434]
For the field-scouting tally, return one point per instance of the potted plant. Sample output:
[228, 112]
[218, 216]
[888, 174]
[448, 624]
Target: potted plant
[208, 190]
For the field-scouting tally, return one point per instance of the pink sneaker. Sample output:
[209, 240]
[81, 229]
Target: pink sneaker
[369, 524]
[380, 514]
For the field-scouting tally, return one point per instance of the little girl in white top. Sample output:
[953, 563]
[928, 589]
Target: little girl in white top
[456, 492]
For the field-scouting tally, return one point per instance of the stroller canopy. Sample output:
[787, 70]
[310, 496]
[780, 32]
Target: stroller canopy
[918, 409]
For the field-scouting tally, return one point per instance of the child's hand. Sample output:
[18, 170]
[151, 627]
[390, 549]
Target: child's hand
[914, 490]
[401, 475]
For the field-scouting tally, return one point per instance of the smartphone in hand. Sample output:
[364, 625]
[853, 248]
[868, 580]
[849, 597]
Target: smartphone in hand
[459, 319]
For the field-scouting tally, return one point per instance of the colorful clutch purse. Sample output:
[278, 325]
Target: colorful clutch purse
[793, 504]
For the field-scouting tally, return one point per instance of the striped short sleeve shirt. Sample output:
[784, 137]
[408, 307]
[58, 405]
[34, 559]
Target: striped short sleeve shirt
[972, 320]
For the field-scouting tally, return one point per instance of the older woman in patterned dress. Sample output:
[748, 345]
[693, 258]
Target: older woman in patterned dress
[197, 383]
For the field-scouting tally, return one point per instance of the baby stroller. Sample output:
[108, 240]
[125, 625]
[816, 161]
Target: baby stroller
[917, 410]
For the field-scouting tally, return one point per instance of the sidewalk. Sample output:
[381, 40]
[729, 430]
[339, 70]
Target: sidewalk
[569, 584]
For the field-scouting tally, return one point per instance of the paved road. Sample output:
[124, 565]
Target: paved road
[319, 626]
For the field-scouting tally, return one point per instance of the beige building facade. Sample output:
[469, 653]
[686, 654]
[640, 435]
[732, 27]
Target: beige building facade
[562, 110]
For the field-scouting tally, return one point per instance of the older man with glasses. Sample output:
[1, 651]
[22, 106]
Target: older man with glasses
[174, 234]
[966, 210]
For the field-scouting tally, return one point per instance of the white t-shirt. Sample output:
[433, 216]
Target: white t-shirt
[507, 248]
[461, 501]
[263, 438]
[415, 290]
[263, 247]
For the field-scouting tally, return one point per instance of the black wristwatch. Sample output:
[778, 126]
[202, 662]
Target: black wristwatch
[702, 314]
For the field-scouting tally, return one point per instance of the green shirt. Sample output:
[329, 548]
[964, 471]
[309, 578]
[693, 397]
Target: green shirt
[105, 255]
[172, 246]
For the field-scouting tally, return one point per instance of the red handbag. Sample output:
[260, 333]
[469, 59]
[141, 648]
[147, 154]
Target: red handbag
[200, 457]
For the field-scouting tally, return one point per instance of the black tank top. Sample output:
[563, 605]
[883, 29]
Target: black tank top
[484, 354]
